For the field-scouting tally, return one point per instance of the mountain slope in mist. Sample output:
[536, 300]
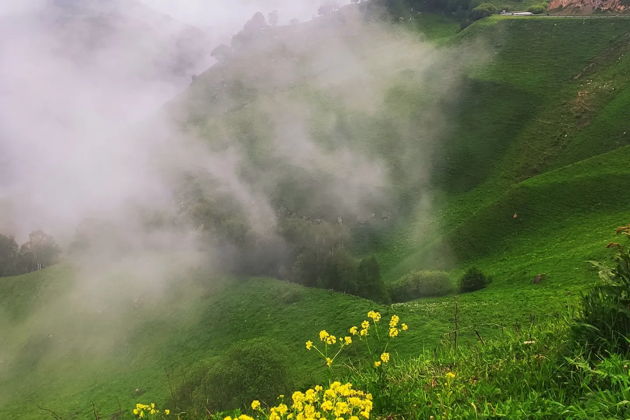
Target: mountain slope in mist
[517, 166]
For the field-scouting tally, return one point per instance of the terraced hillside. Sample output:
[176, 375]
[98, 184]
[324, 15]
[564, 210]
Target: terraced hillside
[531, 178]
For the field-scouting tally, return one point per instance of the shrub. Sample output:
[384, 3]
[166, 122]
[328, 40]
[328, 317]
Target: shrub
[369, 282]
[422, 284]
[604, 324]
[483, 10]
[537, 9]
[473, 280]
[249, 370]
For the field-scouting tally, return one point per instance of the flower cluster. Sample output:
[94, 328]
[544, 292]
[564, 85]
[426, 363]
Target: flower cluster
[363, 331]
[335, 402]
[145, 410]
[328, 354]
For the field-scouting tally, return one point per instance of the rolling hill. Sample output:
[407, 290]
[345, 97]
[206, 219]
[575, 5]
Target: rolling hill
[531, 177]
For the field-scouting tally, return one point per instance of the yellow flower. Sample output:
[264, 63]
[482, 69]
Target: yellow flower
[353, 330]
[329, 361]
[394, 321]
[393, 332]
[323, 334]
[167, 411]
[245, 417]
[374, 315]
[309, 345]
[377, 363]
[227, 418]
[255, 405]
[318, 388]
[348, 340]
[363, 332]
[282, 409]
[450, 375]
[327, 405]
[365, 325]
[331, 339]
[404, 327]
[385, 357]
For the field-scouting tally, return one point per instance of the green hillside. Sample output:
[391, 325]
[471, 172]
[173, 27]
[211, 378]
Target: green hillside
[532, 178]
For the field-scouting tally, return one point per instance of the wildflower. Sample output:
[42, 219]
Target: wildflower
[353, 330]
[282, 409]
[318, 388]
[348, 340]
[394, 321]
[323, 334]
[363, 332]
[450, 375]
[255, 405]
[374, 315]
[227, 418]
[327, 405]
[167, 411]
[309, 345]
[377, 363]
[385, 357]
[404, 327]
[365, 325]
[393, 332]
[329, 362]
[331, 339]
[245, 417]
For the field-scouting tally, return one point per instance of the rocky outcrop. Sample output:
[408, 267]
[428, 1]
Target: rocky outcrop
[584, 7]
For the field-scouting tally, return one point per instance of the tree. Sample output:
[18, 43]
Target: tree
[8, 255]
[40, 251]
[369, 281]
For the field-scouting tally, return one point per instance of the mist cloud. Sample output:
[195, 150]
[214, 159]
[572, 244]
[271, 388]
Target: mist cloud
[116, 123]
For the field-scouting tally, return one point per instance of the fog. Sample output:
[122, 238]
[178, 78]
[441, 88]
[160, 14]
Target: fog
[117, 121]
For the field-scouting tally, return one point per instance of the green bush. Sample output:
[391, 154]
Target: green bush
[604, 324]
[369, 282]
[537, 9]
[473, 280]
[421, 284]
[255, 369]
[483, 10]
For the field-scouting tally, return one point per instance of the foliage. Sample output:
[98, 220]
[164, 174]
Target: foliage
[250, 369]
[604, 323]
[537, 9]
[526, 374]
[483, 10]
[421, 284]
[38, 252]
[369, 281]
[473, 280]
[8, 255]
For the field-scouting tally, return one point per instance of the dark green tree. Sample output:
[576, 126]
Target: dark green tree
[369, 281]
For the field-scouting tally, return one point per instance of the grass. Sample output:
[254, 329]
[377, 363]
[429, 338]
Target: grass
[522, 144]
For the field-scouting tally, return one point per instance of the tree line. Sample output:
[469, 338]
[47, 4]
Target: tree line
[39, 251]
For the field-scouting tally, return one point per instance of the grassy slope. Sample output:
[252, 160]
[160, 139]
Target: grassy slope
[509, 117]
